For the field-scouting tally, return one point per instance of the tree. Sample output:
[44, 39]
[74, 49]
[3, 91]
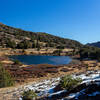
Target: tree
[84, 53]
[33, 44]
[5, 78]
[37, 41]
[90, 52]
[10, 43]
[37, 45]
[24, 45]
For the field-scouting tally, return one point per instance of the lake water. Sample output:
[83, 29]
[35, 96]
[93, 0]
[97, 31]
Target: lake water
[38, 59]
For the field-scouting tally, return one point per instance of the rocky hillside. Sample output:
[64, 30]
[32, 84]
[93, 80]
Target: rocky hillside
[95, 44]
[17, 38]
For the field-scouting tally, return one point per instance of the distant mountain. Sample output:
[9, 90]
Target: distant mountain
[95, 44]
[18, 38]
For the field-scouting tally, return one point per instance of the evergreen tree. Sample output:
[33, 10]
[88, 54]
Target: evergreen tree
[11, 44]
[24, 45]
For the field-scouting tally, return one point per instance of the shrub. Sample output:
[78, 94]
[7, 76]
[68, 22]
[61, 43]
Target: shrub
[29, 95]
[68, 82]
[57, 52]
[17, 62]
[5, 78]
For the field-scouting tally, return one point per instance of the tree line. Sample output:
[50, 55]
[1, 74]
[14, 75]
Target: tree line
[9, 35]
[89, 52]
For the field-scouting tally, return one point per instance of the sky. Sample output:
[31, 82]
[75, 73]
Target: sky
[75, 19]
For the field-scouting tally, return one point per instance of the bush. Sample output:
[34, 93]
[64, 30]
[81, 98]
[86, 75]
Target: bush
[60, 47]
[57, 52]
[17, 62]
[29, 95]
[5, 78]
[68, 82]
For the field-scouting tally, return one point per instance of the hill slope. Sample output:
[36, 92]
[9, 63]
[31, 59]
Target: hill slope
[17, 38]
[95, 44]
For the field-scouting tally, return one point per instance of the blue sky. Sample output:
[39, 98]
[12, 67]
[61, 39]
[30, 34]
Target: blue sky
[74, 19]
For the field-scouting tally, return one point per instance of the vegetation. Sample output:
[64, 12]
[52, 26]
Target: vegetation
[90, 53]
[68, 82]
[29, 95]
[20, 39]
[10, 43]
[24, 45]
[5, 78]
[57, 52]
[17, 62]
[95, 44]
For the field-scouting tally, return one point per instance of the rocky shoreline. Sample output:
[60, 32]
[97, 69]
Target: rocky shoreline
[42, 51]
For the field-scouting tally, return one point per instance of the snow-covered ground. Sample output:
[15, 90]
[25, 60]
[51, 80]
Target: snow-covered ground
[45, 87]
[87, 78]
[90, 76]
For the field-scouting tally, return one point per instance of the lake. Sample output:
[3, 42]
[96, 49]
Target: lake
[41, 59]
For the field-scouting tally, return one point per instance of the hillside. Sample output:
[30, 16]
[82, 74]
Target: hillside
[20, 39]
[95, 44]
